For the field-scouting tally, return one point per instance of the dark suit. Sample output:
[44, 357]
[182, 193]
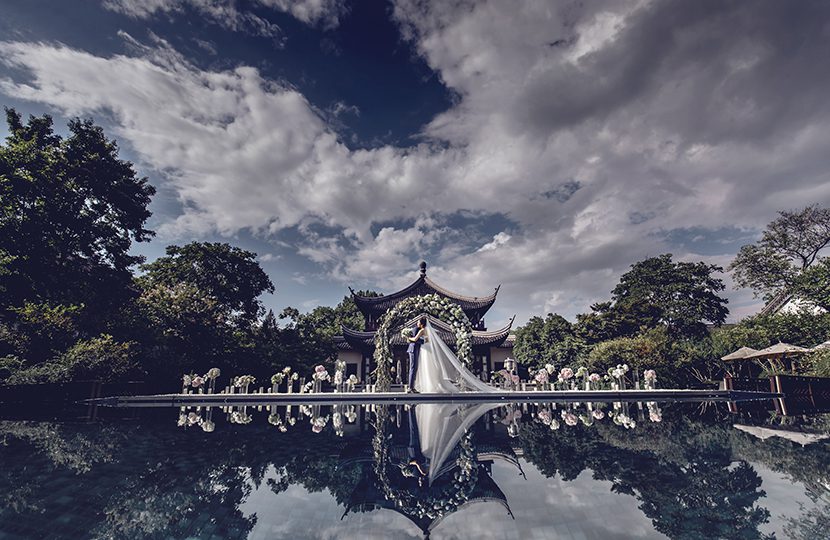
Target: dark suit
[414, 350]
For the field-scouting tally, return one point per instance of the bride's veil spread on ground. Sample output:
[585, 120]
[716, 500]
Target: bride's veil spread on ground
[440, 371]
[440, 427]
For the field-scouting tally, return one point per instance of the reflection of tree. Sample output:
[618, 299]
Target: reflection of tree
[159, 481]
[55, 447]
[681, 472]
[813, 522]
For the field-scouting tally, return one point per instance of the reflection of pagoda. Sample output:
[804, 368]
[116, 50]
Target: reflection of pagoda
[367, 497]
[490, 348]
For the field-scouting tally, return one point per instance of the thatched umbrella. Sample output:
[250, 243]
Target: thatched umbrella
[740, 354]
[776, 355]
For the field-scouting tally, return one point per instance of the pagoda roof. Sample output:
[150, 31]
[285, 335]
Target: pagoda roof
[356, 339]
[378, 305]
[367, 497]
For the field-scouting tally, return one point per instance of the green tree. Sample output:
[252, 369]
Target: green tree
[547, 341]
[681, 296]
[788, 246]
[69, 212]
[813, 284]
[101, 358]
[229, 275]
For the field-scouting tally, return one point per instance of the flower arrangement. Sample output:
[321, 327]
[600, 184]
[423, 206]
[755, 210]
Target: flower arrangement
[654, 412]
[406, 333]
[240, 417]
[541, 376]
[243, 381]
[619, 371]
[650, 378]
[622, 419]
[285, 375]
[569, 418]
[198, 381]
[565, 374]
[320, 374]
[317, 424]
[432, 304]
[594, 378]
[507, 376]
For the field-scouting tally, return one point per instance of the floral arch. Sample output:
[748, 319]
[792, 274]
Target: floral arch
[429, 304]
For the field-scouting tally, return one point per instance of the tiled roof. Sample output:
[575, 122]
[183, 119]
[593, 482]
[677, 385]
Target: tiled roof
[378, 305]
[366, 340]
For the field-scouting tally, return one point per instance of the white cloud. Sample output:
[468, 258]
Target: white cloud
[221, 12]
[594, 129]
[498, 240]
[324, 13]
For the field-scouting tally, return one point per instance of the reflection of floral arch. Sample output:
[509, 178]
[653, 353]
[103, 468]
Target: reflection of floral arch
[431, 304]
[436, 501]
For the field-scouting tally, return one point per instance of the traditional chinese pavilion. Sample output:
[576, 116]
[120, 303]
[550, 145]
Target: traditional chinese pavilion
[356, 346]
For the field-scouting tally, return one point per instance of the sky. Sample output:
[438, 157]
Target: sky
[537, 145]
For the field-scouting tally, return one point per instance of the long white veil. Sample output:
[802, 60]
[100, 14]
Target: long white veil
[440, 427]
[440, 371]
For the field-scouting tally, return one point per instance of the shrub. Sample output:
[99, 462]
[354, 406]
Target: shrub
[100, 358]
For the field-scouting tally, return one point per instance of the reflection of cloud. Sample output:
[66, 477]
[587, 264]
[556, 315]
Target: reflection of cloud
[543, 507]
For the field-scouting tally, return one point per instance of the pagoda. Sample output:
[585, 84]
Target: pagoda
[356, 346]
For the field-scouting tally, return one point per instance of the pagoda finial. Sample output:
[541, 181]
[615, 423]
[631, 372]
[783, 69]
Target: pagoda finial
[423, 268]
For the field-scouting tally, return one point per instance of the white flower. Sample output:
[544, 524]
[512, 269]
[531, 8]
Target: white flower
[208, 426]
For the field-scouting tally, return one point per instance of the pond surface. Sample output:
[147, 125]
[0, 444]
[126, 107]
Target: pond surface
[599, 471]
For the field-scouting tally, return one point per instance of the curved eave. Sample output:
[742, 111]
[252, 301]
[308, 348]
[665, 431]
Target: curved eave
[424, 285]
[366, 340]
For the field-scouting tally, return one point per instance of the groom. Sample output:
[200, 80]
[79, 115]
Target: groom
[414, 350]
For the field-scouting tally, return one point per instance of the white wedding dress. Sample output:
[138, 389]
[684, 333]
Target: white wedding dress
[440, 371]
[441, 425]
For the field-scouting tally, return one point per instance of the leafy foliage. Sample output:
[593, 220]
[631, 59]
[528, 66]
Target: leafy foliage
[790, 245]
[69, 210]
[229, 275]
[101, 358]
[680, 296]
[551, 340]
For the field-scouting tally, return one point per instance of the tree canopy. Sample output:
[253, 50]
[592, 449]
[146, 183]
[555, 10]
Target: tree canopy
[788, 247]
[230, 275]
[69, 212]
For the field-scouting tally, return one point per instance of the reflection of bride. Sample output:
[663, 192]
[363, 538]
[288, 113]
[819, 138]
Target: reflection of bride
[440, 371]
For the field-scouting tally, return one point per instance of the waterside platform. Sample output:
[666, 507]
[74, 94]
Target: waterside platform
[355, 398]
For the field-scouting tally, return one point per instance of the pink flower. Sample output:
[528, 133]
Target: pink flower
[598, 414]
[197, 381]
[318, 369]
[566, 373]
[545, 417]
[542, 376]
[650, 375]
[594, 377]
[569, 418]
[654, 416]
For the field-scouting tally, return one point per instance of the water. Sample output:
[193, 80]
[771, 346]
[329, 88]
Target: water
[683, 471]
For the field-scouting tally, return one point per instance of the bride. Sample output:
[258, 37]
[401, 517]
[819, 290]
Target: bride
[440, 372]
